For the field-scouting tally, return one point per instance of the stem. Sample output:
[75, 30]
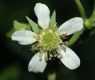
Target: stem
[52, 76]
[81, 8]
[74, 38]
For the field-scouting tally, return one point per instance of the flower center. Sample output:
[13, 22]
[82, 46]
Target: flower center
[49, 40]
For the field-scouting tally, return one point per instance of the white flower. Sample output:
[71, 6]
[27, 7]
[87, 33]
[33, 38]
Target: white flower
[49, 40]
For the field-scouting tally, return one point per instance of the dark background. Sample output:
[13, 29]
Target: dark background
[14, 58]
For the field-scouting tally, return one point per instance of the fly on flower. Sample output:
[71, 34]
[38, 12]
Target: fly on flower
[47, 39]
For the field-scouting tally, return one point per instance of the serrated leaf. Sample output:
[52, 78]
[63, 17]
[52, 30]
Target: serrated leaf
[53, 24]
[20, 26]
[34, 25]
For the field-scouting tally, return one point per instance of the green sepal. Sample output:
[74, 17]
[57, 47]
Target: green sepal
[20, 26]
[53, 24]
[17, 27]
[34, 25]
[75, 37]
[9, 34]
[92, 18]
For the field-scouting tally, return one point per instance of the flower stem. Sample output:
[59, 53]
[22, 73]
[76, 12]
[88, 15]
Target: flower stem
[52, 76]
[74, 38]
[81, 8]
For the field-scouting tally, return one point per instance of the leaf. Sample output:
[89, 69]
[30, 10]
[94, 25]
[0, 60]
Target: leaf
[34, 26]
[20, 26]
[53, 24]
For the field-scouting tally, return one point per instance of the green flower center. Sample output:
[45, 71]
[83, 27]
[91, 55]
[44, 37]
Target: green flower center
[49, 40]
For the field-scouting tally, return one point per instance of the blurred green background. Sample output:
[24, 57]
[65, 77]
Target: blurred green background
[14, 58]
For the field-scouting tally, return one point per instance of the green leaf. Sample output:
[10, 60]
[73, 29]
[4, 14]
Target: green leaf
[53, 24]
[34, 26]
[20, 26]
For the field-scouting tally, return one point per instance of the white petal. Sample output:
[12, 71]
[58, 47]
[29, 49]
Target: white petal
[71, 26]
[24, 37]
[43, 14]
[70, 59]
[36, 65]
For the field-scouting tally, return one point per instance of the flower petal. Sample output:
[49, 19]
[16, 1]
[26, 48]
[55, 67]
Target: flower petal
[24, 37]
[70, 59]
[36, 65]
[43, 14]
[71, 26]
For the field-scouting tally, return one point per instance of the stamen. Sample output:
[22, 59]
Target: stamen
[59, 56]
[40, 56]
[64, 36]
[46, 56]
[49, 40]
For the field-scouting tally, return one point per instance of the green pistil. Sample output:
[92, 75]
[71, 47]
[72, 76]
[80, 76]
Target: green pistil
[49, 40]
